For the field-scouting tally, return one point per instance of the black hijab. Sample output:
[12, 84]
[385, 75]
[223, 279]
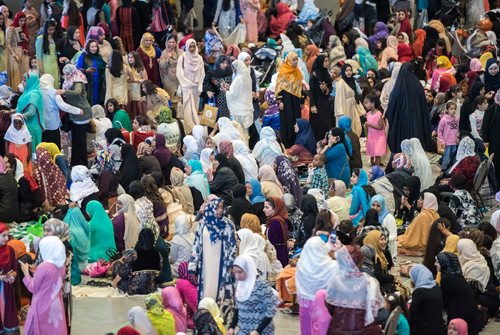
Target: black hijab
[350, 81]
[371, 218]
[335, 131]
[309, 208]
[217, 72]
[240, 205]
[112, 134]
[320, 72]
[413, 184]
[130, 169]
[407, 111]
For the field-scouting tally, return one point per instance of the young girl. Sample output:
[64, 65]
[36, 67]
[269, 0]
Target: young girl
[392, 301]
[376, 142]
[138, 74]
[255, 300]
[18, 139]
[447, 133]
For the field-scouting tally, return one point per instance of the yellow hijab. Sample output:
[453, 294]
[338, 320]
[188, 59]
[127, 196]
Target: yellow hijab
[484, 58]
[151, 51]
[451, 244]
[210, 305]
[372, 240]
[289, 77]
[443, 62]
[162, 320]
[51, 148]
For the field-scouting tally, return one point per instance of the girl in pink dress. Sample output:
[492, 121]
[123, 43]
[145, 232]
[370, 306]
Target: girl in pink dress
[376, 141]
[46, 314]
[250, 9]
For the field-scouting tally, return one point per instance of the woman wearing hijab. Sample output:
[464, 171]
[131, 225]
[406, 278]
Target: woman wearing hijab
[83, 188]
[187, 286]
[407, 112]
[101, 232]
[130, 168]
[390, 52]
[239, 205]
[164, 156]
[148, 54]
[314, 271]
[214, 82]
[246, 160]
[337, 160]
[163, 321]
[125, 224]
[190, 73]
[79, 237]
[190, 148]
[239, 95]
[311, 53]
[320, 86]
[101, 123]
[477, 274]
[147, 161]
[256, 198]
[376, 241]
[209, 305]
[490, 124]
[366, 60]
[305, 144]
[344, 20]
[289, 94]
[352, 297]
[352, 140]
[18, 140]
[50, 179]
[466, 161]
[75, 94]
[16, 42]
[375, 173]
[8, 267]
[148, 258]
[213, 251]
[93, 65]
[139, 321]
[380, 31]
[252, 291]
[268, 148]
[224, 179]
[196, 178]
[30, 105]
[347, 98]
[172, 302]
[277, 227]
[416, 235]
[181, 244]
[419, 161]
[168, 67]
[425, 315]
[171, 128]
[181, 190]
[458, 297]
[70, 45]
[280, 22]
[386, 219]
[337, 202]
[269, 182]
[288, 177]
[491, 75]
[253, 245]
[46, 313]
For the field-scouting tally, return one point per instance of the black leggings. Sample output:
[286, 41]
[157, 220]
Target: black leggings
[79, 144]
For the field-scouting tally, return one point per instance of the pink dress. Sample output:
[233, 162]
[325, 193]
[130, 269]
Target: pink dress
[376, 141]
[189, 295]
[250, 15]
[46, 314]
[320, 317]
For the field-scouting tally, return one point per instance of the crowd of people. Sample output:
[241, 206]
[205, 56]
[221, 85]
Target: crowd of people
[264, 157]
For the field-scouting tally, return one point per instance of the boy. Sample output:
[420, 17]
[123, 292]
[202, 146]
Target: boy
[447, 133]
[318, 177]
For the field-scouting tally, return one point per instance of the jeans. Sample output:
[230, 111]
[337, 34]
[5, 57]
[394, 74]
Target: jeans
[449, 153]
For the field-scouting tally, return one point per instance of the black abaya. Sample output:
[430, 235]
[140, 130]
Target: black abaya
[491, 124]
[321, 120]
[288, 118]
[407, 111]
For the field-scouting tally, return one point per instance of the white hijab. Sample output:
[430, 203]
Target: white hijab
[314, 269]
[21, 136]
[267, 142]
[247, 161]
[206, 163]
[183, 235]
[53, 251]
[239, 96]
[191, 145]
[389, 85]
[82, 185]
[139, 320]
[249, 245]
[245, 287]
[19, 170]
[419, 161]
[474, 266]
[227, 131]
[466, 148]
[197, 133]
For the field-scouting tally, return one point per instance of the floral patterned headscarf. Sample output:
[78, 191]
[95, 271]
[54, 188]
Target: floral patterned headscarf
[214, 223]
[50, 178]
[288, 178]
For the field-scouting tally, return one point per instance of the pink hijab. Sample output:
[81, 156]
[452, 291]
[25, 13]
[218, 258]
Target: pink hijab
[173, 303]
[461, 326]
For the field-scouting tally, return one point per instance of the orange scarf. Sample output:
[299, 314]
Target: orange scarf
[289, 77]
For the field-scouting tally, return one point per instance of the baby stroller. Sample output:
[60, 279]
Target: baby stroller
[264, 62]
[316, 31]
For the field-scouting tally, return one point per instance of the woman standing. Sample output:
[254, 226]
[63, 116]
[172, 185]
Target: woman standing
[71, 16]
[348, 100]
[69, 46]
[213, 252]
[277, 227]
[289, 94]
[255, 300]
[3, 35]
[30, 104]
[46, 313]
[117, 75]
[127, 20]
[337, 161]
[32, 23]
[249, 10]
[93, 65]
[138, 74]
[46, 52]
[225, 17]
[320, 84]
[76, 95]
[168, 68]
[239, 95]
[190, 73]
[214, 82]
[16, 42]
[491, 122]
[148, 55]
[8, 268]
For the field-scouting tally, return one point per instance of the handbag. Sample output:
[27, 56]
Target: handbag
[209, 114]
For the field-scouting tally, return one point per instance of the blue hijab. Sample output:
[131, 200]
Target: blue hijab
[79, 233]
[376, 172]
[422, 276]
[305, 136]
[345, 124]
[384, 211]
[257, 195]
[198, 178]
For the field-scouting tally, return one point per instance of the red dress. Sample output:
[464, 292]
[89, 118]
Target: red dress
[8, 262]
[151, 67]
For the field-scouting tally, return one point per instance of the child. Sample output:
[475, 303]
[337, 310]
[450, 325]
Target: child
[476, 123]
[447, 133]
[376, 142]
[392, 301]
[318, 177]
[18, 140]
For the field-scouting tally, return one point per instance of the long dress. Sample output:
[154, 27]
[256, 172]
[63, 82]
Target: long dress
[274, 234]
[321, 120]
[415, 238]
[345, 104]
[168, 73]
[225, 19]
[50, 61]
[376, 142]
[8, 319]
[151, 66]
[250, 16]
[15, 69]
[116, 87]
[46, 313]
[95, 86]
[192, 86]
[137, 105]
[33, 25]
[3, 58]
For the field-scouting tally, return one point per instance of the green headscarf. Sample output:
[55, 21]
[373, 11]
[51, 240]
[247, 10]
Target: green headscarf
[32, 95]
[122, 120]
[102, 236]
[79, 237]
[162, 320]
[165, 115]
